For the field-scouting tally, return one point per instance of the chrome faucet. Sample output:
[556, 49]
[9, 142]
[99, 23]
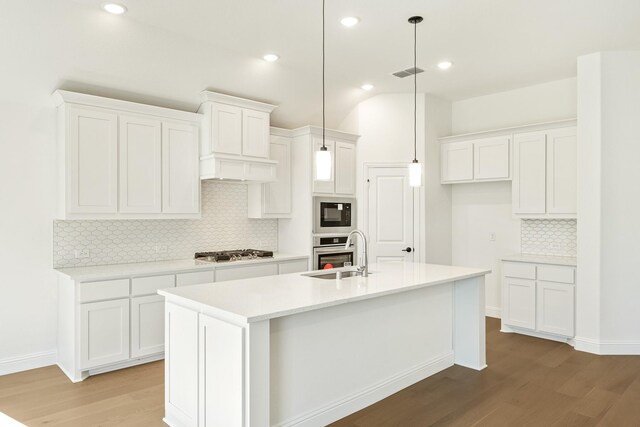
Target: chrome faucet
[362, 269]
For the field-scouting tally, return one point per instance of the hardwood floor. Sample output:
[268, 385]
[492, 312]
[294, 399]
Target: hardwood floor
[529, 382]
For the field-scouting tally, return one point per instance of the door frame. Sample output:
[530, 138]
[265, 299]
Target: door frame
[419, 225]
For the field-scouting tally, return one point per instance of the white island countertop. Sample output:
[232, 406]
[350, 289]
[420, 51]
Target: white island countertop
[254, 300]
[117, 271]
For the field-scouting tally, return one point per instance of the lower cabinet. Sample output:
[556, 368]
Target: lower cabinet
[104, 329]
[246, 272]
[534, 302]
[147, 325]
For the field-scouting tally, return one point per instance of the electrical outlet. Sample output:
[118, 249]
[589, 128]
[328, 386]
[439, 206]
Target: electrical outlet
[161, 249]
[492, 237]
[82, 253]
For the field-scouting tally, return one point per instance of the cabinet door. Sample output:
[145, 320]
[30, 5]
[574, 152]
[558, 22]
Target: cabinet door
[324, 186]
[147, 325]
[491, 158]
[562, 171]
[345, 168]
[519, 302]
[226, 129]
[92, 161]
[180, 169]
[140, 164]
[555, 308]
[277, 195]
[246, 272]
[456, 162]
[104, 333]
[221, 373]
[255, 133]
[529, 173]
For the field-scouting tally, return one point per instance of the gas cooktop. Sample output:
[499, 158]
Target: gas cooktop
[236, 255]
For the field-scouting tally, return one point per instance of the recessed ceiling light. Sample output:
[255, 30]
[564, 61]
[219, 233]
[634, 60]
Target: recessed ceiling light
[271, 57]
[114, 8]
[366, 86]
[349, 21]
[445, 65]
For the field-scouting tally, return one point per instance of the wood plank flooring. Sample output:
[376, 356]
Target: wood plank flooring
[529, 382]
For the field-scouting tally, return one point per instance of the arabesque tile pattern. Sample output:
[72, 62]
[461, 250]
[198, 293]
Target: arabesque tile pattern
[554, 237]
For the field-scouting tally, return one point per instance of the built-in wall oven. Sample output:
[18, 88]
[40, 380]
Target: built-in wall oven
[329, 251]
[333, 215]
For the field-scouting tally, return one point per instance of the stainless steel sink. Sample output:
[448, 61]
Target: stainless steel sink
[333, 274]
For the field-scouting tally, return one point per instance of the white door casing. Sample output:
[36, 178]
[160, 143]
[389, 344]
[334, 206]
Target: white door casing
[390, 214]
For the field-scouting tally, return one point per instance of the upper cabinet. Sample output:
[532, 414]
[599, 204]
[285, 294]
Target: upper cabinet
[235, 139]
[545, 174]
[485, 159]
[122, 160]
[343, 170]
[273, 199]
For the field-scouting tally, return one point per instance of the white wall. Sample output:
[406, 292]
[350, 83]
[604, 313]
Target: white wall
[532, 104]
[483, 208]
[385, 123]
[27, 195]
[608, 241]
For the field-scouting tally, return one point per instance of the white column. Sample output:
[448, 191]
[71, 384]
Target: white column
[469, 337]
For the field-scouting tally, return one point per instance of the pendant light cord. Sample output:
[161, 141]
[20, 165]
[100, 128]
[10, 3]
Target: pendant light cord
[415, 92]
[324, 147]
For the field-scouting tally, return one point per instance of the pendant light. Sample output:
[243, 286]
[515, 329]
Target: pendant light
[415, 168]
[323, 156]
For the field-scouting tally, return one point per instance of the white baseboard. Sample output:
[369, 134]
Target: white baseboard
[363, 398]
[608, 347]
[495, 312]
[25, 362]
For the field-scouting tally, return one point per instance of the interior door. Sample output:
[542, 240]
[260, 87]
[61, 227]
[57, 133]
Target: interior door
[390, 215]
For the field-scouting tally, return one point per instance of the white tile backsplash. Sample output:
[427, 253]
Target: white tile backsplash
[554, 237]
[224, 225]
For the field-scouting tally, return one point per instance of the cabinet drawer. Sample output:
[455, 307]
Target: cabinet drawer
[554, 273]
[195, 278]
[519, 269]
[293, 267]
[150, 285]
[107, 289]
[224, 274]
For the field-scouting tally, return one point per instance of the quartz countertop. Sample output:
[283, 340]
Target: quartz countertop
[263, 298]
[118, 271]
[542, 259]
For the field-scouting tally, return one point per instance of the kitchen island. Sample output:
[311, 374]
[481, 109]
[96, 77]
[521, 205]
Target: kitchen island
[301, 350]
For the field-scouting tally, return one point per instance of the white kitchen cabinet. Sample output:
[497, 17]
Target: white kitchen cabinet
[539, 299]
[562, 171]
[235, 139]
[529, 173]
[273, 199]
[147, 325]
[345, 168]
[140, 143]
[519, 302]
[327, 187]
[89, 176]
[219, 403]
[104, 331]
[456, 162]
[246, 272]
[545, 174]
[122, 160]
[194, 278]
[491, 159]
[297, 266]
[255, 133]
[225, 130]
[555, 308]
[180, 175]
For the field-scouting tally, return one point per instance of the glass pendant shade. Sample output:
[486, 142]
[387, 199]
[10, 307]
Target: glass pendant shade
[323, 165]
[415, 174]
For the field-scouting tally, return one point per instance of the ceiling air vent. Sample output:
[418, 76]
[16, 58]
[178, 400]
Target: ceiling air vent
[408, 72]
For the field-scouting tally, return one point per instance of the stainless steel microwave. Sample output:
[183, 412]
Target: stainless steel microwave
[333, 215]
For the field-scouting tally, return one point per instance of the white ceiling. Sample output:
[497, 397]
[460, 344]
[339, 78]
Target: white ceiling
[166, 51]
